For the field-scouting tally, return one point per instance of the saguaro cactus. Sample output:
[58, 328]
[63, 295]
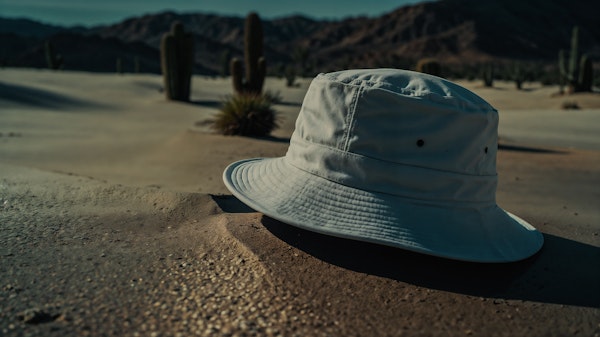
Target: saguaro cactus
[54, 61]
[255, 63]
[586, 74]
[177, 62]
[576, 72]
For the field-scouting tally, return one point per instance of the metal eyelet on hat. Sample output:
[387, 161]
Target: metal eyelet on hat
[420, 143]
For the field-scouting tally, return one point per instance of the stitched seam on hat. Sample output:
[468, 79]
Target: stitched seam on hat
[430, 201]
[346, 153]
[350, 118]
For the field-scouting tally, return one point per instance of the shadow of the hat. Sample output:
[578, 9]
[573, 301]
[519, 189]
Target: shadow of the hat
[520, 148]
[563, 272]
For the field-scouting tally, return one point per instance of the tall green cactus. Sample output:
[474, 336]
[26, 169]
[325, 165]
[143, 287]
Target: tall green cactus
[586, 74]
[177, 62]
[54, 61]
[255, 63]
[576, 72]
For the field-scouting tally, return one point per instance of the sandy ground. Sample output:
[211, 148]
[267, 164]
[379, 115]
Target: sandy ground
[115, 222]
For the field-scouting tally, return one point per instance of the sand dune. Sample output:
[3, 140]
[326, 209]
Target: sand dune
[115, 221]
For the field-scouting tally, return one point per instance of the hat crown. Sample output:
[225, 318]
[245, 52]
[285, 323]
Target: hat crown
[401, 117]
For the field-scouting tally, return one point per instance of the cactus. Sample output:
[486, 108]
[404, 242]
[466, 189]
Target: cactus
[488, 75]
[290, 76]
[54, 61]
[300, 56]
[177, 62]
[255, 63]
[136, 65]
[429, 66]
[576, 72]
[119, 65]
[225, 62]
[518, 75]
[237, 73]
[586, 74]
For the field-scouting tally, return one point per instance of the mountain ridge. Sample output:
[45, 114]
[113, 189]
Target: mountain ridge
[453, 31]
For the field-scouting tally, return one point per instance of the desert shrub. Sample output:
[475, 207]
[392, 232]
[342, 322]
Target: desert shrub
[518, 75]
[488, 75]
[290, 76]
[273, 96]
[429, 66]
[570, 105]
[246, 115]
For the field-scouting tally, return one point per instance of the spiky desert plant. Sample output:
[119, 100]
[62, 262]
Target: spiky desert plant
[246, 115]
[429, 66]
[54, 61]
[575, 71]
[177, 62]
[255, 64]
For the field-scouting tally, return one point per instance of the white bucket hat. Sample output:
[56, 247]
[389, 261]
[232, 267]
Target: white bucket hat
[392, 157]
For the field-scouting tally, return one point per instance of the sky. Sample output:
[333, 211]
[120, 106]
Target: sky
[95, 12]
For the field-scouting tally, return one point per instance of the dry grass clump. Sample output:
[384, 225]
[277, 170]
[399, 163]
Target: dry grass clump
[570, 105]
[246, 115]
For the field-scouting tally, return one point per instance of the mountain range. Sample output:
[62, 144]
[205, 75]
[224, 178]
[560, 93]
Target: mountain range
[453, 31]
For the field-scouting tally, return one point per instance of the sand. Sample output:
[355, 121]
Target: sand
[115, 222]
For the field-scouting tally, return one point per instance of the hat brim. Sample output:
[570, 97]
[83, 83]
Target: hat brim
[475, 234]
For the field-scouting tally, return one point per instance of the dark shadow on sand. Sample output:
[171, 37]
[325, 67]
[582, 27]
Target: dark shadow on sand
[217, 104]
[563, 272]
[41, 98]
[285, 140]
[231, 204]
[517, 148]
[207, 103]
[296, 104]
[155, 86]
